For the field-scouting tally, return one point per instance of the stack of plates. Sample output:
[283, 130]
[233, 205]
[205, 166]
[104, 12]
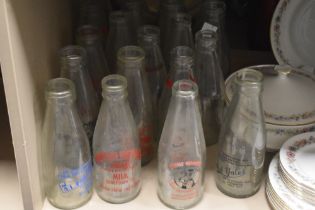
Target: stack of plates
[291, 176]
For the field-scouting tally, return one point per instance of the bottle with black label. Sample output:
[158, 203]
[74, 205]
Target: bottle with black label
[243, 138]
[182, 150]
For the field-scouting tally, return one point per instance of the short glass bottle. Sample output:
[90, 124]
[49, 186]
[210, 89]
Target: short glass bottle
[119, 36]
[149, 39]
[242, 138]
[182, 149]
[73, 61]
[89, 38]
[67, 165]
[131, 65]
[116, 149]
[211, 85]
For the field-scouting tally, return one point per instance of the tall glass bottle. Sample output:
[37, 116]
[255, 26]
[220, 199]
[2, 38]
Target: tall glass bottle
[181, 68]
[116, 149]
[66, 155]
[182, 150]
[179, 34]
[135, 10]
[242, 139]
[92, 13]
[131, 65]
[119, 36]
[213, 12]
[74, 67]
[211, 86]
[88, 37]
[167, 9]
[149, 39]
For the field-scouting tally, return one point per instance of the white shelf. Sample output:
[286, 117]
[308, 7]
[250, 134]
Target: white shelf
[147, 199]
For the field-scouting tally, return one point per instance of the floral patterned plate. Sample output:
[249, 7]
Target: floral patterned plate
[279, 194]
[292, 33]
[297, 156]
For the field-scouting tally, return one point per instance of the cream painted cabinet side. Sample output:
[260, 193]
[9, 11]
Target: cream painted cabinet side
[31, 32]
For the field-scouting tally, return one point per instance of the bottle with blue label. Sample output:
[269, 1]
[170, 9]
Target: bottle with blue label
[67, 167]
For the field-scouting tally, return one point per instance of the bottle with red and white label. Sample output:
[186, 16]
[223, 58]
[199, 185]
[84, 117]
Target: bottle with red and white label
[131, 65]
[182, 149]
[116, 149]
[182, 64]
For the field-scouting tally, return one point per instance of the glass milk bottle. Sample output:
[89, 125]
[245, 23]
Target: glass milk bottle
[116, 149]
[149, 40]
[242, 139]
[182, 150]
[66, 154]
[131, 65]
[73, 61]
[211, 85]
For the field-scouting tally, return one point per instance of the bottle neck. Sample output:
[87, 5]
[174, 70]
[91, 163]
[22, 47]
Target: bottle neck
[182, 69]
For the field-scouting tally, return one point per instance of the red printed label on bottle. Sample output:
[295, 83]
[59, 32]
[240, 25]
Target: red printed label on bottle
[118, 171]
[169, 84]
[146, 141]
[185, 180]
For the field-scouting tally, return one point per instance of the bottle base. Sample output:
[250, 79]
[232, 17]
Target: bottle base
[71, 207]
[112, 201]
[237, 196]
[179, 207]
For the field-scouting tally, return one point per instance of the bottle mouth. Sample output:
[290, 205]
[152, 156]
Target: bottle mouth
[114, 83]
[206, 38]
[185, 88]
[72, 54]
[59, 88]
[249, 77]
[182, 53]
[149, 33]
[118, 18]
[215, 5]
[87, 33]
[130, 54]
[181, 18]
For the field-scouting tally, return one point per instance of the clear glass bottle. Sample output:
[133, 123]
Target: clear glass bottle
[119, 36]
[131, 65]
[242, 138]
[89, 38]
[67, 166]
[135, 10]
[73, 61]
[179, 34]
[116, 149]
[149, 39]
[213, 12]
[182, 150]
[91, 12]
[182, 64]
[211, 85]
[167, 9]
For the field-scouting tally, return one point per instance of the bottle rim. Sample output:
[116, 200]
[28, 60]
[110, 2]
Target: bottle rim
[72, 53]
[214, 5]
[60, 88]
[118, 17]
[149, 33]
[249, 77]
[114, 83]
[180, 53]
[87, 33]
[207, 37]
[130, 53]
[185, 88]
